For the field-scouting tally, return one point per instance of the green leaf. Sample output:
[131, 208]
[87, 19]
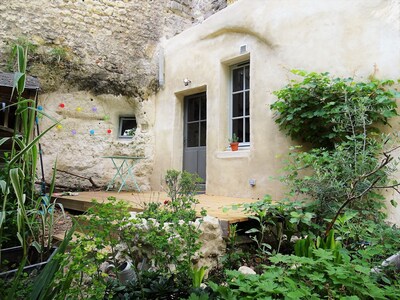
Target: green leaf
[252, 230]
[298, 294]
[323, 254]
[3, 186]
[30, 145]
[3, 140]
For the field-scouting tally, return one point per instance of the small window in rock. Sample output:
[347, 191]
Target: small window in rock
[127, 127]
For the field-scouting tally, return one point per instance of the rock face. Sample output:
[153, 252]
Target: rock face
[213, 245]
[108, 46]
[100, 59]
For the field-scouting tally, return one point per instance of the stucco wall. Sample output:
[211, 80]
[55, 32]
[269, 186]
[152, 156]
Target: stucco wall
[346, 38]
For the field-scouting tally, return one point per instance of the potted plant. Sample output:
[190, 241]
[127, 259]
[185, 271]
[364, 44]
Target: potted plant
[234, 142]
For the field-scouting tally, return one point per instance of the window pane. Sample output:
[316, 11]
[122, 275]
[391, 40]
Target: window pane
[203, 108]
[193, 109]
[247, 130]
[193, 134]
[237, 128]
[203, 133]
[237, 105]
[247, 104]
[237, 80]
[127, 127]
[247, 77]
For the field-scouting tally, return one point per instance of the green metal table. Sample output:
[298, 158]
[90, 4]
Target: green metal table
[124, 170]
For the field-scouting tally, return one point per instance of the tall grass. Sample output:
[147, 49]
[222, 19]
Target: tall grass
[17, 190]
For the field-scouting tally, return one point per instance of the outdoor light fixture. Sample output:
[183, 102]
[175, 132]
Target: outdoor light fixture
[186, 81]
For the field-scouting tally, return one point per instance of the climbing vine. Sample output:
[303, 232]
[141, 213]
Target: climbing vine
[323, 110]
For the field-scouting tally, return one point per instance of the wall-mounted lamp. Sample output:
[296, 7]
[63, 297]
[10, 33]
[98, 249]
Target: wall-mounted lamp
[186, 81]
[252, 182]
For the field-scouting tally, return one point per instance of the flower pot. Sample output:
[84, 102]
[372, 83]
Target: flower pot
[234, 146]
[125, 272]
[13, 257]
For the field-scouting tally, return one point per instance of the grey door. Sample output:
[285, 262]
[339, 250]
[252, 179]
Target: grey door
[195, 135]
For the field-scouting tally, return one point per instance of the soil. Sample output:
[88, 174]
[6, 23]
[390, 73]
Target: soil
[62, 222]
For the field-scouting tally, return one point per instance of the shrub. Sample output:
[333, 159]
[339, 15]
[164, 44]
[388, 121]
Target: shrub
[322, 110]
[160, 242]
[292, 277]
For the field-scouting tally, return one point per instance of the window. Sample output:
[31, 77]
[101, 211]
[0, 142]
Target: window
[240, 102]
[127, 127]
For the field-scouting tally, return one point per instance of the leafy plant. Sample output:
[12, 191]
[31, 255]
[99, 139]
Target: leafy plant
[23, 42]
[181, 187]
[160, 243]
[276, 221]
[44, 286]
[293, 277]
[198, 276]
[58, 54]
[234, 138]
[322, 110]
[18, 190]
[305, 247]
[355, 162]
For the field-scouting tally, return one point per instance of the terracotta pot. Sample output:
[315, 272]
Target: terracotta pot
[235, 146]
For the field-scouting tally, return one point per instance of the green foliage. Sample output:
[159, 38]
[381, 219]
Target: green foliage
[367, 238]
[340, 175]
[275, 221]
[181, 187]
[330, 177]
[44, 286]
[293, 277]
[322, 110]
[305, 247]
[234, 138]
[160, 243]
[234, 255]
[23, 42]
[58, 54]
[18, 195]
[89, 251]
[198, 276]
[350, 162]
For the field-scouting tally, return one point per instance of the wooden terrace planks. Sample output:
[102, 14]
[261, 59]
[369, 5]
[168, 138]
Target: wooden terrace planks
[213, 204]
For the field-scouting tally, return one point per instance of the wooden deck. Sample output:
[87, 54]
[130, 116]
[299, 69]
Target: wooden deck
[212, 204]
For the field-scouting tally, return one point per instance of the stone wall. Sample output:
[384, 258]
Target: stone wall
[99, 54]
[111, 45]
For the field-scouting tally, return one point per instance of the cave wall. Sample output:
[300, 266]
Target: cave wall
[100, 58]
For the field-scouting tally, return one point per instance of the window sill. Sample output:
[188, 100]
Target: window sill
[241, 153]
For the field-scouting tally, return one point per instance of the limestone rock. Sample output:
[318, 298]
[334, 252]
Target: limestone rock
[213, 245]
[246, 270]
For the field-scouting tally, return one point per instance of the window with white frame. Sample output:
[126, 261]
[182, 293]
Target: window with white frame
[240, 102]
[127, 127]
